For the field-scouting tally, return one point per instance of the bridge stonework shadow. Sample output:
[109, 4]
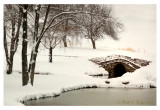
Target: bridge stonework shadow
[117, 65]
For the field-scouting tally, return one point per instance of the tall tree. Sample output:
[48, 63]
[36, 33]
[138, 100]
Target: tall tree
[25, 76]
[35, 41]
[12, 24]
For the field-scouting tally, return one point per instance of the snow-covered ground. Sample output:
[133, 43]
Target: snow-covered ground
[69, 70]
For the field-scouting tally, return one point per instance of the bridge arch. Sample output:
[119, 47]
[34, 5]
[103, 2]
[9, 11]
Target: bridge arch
[119, 70]
[117, 65]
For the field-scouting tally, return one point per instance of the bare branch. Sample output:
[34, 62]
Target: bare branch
[45, 20]
[5, 46]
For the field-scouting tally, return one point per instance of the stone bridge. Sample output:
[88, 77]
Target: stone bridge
[117, 65]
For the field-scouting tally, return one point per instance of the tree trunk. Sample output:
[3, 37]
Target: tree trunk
[34, 49]
[6, 50]
[91, 32]
[18, 29]
[65, 41]
[10, 65]
[93, 43]
[50, 54]
[32, 66]
[36, 25]
[38, 40]
[12, 49]
[65, 30]
[33, 62]
[25, 77]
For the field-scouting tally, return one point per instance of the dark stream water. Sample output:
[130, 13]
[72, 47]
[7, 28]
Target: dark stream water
[100, 97]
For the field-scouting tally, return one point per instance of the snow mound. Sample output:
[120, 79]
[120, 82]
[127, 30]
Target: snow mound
[144, 77]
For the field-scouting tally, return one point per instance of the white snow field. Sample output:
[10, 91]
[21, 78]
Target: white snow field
[69, 70]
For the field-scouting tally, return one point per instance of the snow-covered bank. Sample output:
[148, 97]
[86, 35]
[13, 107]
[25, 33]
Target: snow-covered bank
[44, 86]
[69, 71]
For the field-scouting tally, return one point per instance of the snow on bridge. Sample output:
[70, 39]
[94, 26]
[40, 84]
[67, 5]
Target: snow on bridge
[117, 65]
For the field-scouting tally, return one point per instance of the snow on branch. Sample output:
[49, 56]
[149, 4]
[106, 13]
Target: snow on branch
[60, 22]
[32, 62]
[24, 10]
[52, 27]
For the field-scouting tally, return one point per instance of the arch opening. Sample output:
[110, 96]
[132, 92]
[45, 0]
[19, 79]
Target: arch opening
[119, 70]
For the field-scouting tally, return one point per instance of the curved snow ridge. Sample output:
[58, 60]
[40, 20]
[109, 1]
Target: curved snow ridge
[38, 96]
[113, 84]
[55, 93]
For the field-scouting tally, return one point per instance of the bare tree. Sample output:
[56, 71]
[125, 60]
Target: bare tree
[99, 21]
[38, 35]
[71, 29]
[50, 40]
[68, 26]
[12, 24]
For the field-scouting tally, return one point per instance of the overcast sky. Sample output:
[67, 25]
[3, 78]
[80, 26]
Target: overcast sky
[140, 26]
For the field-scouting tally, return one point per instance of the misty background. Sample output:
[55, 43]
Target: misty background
[140, 28]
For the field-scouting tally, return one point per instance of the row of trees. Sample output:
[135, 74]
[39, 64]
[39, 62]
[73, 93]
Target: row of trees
[50, 25]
